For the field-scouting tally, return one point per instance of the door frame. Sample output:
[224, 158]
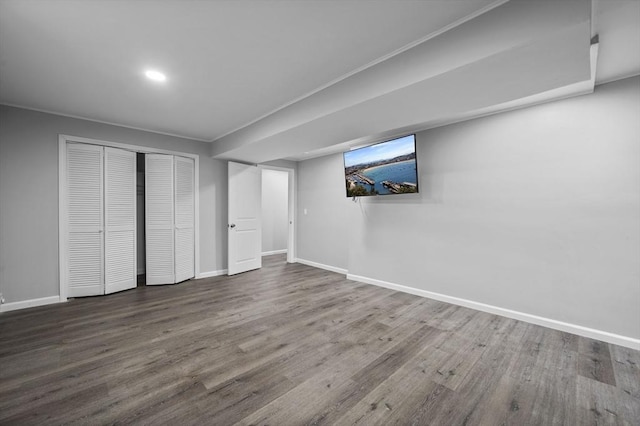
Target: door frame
[63, 236]
[291, 200]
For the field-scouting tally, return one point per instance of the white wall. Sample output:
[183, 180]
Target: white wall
[275, 210]
[535, 211]
[322, 203]
[29, 196]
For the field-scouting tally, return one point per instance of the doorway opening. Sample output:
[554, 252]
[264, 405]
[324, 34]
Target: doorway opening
[275, 213]
[140, 222]
[278, 209]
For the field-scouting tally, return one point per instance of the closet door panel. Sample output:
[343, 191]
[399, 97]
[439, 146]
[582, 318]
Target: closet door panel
[85, 255]
[120, 219]
[184, 218]
[184, 254]
[159, 219]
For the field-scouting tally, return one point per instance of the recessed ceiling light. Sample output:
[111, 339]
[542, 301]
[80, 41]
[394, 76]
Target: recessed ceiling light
[155, 75]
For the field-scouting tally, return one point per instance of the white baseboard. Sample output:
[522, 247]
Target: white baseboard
[269, 253]
[23, 304]
[605, 336]
[321, 266]
[212, 274]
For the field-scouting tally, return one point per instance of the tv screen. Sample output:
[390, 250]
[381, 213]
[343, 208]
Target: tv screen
[385, 168]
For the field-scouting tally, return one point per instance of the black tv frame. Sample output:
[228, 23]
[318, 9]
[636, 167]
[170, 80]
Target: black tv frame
[415, 159]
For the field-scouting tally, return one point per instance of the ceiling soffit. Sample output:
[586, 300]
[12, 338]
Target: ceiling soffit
[513, 51]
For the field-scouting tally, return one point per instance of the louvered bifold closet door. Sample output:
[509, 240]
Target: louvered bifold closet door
[184, 218]
[120, 219]
[84, 186]
[159, 219]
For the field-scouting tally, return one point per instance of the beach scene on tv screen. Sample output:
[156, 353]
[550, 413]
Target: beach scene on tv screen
[381, 169]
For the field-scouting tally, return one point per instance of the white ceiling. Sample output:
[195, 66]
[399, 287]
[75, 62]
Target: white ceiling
[228, 62]
[269, 79]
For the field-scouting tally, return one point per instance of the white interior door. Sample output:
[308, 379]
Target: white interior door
[85, 255]
[120, 219]
[245, 227]
[184, 218]
[159, 219]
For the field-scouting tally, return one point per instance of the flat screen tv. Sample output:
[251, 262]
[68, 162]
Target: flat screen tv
[384, 168]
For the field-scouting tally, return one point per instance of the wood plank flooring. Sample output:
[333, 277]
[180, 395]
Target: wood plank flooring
[293, 345]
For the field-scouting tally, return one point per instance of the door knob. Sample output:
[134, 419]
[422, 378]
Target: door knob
[233, 225]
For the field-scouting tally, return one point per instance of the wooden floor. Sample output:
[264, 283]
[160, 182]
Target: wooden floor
[292, 345]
